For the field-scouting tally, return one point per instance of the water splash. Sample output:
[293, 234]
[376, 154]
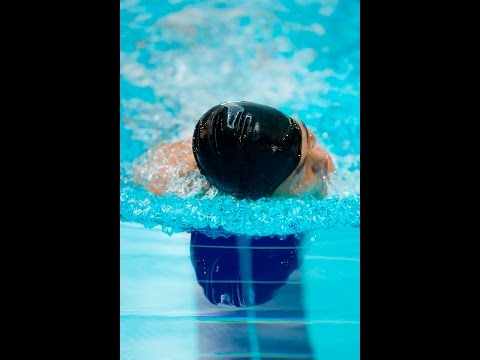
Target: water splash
[225, 214]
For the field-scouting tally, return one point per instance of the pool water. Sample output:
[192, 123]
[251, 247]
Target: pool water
[178, 58]
[165, 314]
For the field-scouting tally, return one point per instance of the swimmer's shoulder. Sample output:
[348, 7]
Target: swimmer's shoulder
[173, 158]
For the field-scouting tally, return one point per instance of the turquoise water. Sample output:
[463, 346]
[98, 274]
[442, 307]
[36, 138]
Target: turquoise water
[179, 58]
[165, 315]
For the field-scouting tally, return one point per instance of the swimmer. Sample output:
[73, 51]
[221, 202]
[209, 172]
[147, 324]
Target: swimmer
[244, 149]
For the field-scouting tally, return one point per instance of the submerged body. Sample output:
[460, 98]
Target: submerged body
[220, 155]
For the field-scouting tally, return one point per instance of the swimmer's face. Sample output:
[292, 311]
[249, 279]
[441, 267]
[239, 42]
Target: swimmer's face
[312, 172]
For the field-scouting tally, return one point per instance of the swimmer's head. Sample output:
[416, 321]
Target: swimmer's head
[246, 149]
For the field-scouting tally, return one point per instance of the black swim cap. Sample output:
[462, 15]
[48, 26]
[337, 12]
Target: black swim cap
[246, 149]
[217, 267]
